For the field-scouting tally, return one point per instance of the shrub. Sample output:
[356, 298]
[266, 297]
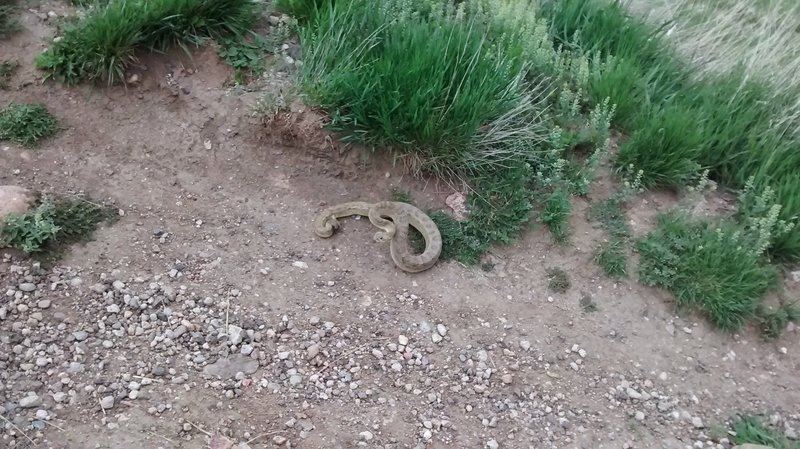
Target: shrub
[104, 43]
[26, 124]
[611, 257]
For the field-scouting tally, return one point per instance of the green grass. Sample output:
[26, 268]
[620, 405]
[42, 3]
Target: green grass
[751, 429]
[26, 124]
[773, 321]
[8, 20]
[7, 69]
[711, 269]
[611, 257]
[102, 45]
[678, 124]
[484, 97]
[54, 224]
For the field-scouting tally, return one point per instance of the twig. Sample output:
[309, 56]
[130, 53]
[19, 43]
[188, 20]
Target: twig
[53, 425]
[198, 428]
[101, 407]
[274, 432]
[18, 429]
[160, 436]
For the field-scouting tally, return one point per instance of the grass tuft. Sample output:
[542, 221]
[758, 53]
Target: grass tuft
[54, 224]
[104, 43]
[7, 69]
[556, 213]
[557, 280]
[8, 20]
[26, 124]
[751, 429]
[611, 257]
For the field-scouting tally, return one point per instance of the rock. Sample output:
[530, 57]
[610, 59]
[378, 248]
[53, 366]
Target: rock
[525, 345]
[30, 401]
[633, 394]
[441, 329]
[507, 378]
[403, 340]
[15, 200]
[80, 335]
[365, 435]
[312, 351]
[697, 422]
[279, 440]
[235, 334]
[43, 304]
[118, 285]
[107, 402]
[492, 444]
[639, 416]
[300, 264]
[295, 379]
[227, 368]
[27, 287]
[436, 338]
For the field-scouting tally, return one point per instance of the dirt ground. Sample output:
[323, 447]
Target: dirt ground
[216, 239]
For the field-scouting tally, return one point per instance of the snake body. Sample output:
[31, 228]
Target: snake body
[393, 219]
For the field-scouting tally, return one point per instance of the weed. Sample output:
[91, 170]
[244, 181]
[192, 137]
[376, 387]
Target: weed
[557, 280]
[54, 223]
[104, 43]
[246, 53]
[709, 268]
[300, 9]
[751, 429]
[26, 124]
[773, 321]
[556, 214]
[8, 21]
[611, 257]
[7, 69]
[400, 195]
[587, 302]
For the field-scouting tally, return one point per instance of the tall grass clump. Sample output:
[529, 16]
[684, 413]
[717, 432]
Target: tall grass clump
[731, 122]
[27, 124]
[719, 269]
[105, 42]
[474, 90]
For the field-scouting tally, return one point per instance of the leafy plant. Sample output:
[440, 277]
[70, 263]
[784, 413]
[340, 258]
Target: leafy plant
[773, 321]
[54, 222]
[556, 214]
[26, 124]
[246, 56]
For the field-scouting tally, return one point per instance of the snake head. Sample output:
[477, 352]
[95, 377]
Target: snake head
[382, 237]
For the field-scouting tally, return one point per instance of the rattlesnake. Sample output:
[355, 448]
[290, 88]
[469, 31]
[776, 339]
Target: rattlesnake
[402, 216]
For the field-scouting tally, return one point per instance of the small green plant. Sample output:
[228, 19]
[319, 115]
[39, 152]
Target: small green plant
[8, 20]
[104, 43]
[557, 209]
[26, 124]
[587, 302]
[55, 222]
[7, 69]
[773, 321]
[245, 55]
[751, 429]
[400, 195]
[557, 280]
[611, 257]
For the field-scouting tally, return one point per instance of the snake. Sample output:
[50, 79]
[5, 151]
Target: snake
[393, 218]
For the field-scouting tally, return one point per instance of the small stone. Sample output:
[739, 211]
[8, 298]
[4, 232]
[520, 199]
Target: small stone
[43, 304]
[295, 379]
[441, 329]
[300, 264]
[27, 287]
[80, 335]
[113, 308]
[312, 351]
[403, 340]
[107, 402]
[30, 401]
[247, 349]
[525, 345]
[639, 416]
[365, 435]
[235, 334]
[633, 394]
[279, 440]
[507, 378]
[697, 422]
[492, 444]
[41, 414]
[436, 338]
[118, 285]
